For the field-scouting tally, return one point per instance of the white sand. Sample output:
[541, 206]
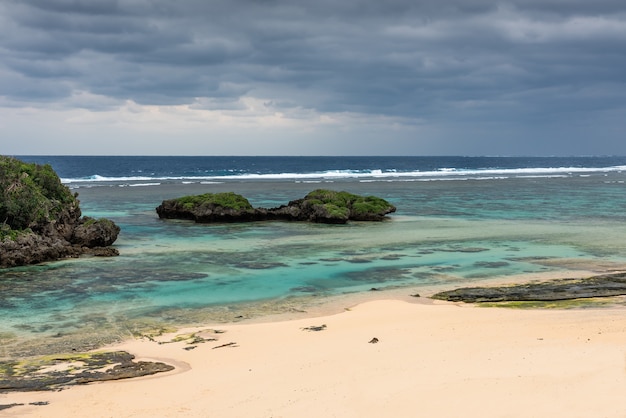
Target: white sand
[432, 360]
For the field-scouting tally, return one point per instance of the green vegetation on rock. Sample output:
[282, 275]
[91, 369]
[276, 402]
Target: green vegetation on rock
[40, 218]
[226, 200]
[348, 205]
[331, 196]
[368, 204]
[325, 206]
[89, 221]
[31, 193]
[334, 211]
[7, 233]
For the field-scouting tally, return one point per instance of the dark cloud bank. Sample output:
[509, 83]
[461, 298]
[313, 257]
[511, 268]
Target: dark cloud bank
[523, 71]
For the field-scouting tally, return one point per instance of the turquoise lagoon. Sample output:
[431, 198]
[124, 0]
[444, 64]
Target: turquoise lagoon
[445, 234]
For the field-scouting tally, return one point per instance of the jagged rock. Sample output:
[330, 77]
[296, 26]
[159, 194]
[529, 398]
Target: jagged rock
[323, 206]
[41, 219]
[95, 233]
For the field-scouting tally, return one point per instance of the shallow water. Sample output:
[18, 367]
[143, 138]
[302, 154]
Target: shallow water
[175, 273]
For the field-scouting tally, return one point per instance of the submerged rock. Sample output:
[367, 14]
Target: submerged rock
[40, 219]
[553, 290]
[323, 206]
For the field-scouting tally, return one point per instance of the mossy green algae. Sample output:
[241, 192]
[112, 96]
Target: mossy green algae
[53, 372]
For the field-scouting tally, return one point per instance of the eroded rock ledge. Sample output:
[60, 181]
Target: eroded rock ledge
[322, 206]
[62, 370]
[605, 285]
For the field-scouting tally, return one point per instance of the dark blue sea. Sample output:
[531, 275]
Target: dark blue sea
[460, 221]
[77, 170]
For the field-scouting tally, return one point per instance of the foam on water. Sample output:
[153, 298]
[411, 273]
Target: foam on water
[372, 174]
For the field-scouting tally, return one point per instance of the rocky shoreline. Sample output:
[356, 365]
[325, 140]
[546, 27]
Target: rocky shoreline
[54, 229]
[41, 218]
[601, 286]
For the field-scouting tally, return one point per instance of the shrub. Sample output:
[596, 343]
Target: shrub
[227, 200]
[369, 204]
[352, 203]
[10, 234]
[31, 193]
[331, 196]
[338, 212]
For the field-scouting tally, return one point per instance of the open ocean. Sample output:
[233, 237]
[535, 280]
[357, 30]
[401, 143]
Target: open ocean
[460, 221]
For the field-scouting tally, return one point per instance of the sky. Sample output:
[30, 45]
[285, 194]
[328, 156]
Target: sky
[301, 77]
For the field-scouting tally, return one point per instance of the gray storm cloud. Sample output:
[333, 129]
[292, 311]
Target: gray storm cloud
[476, 73]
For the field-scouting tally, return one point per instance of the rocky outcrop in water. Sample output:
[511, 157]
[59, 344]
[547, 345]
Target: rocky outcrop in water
[40, 219]
[322, 206]
[553, 290]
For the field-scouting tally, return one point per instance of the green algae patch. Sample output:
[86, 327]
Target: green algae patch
[194, 338]
[557, 304]
[190, 339]
[150, 331]
[57, 371]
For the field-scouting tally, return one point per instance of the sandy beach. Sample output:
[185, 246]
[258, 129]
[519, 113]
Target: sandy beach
[430, 359]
